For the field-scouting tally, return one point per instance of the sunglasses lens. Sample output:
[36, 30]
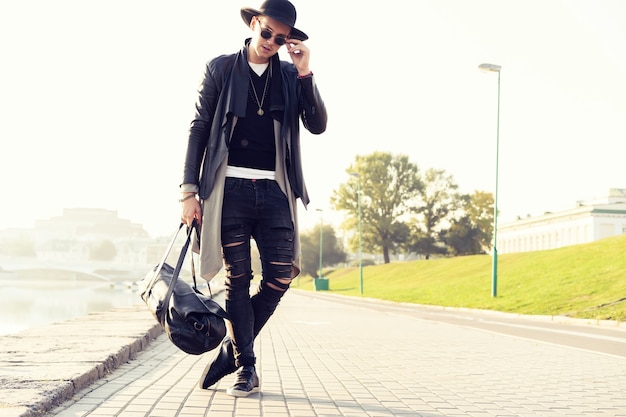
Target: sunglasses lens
[279, 40]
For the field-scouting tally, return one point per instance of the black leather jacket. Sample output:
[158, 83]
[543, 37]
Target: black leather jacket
[223, 94]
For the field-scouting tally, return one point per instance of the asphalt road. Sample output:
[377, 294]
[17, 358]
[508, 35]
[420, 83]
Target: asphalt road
[601, 337]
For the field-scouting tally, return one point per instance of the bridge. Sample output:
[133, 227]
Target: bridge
[38, 270]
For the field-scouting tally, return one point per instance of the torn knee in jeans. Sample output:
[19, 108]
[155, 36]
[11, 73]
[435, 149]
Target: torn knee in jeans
[278, 284]
[279, 276]
[230, 245]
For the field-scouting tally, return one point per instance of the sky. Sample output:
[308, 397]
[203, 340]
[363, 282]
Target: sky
[96, 99]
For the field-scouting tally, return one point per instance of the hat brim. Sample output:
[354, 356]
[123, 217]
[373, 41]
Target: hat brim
[247, 13]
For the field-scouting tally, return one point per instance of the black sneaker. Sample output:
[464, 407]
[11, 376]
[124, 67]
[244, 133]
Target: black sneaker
[246, 382]
[222, 364]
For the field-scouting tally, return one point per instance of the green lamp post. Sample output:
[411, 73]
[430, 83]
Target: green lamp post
[494, 268]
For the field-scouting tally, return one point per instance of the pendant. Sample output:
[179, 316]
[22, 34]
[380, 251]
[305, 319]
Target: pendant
[260, 112]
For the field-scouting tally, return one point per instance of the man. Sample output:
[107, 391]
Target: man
[243, 175]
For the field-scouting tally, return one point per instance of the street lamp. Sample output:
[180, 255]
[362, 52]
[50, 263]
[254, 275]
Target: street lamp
[494, 268]
[319, 273]
[358, 194]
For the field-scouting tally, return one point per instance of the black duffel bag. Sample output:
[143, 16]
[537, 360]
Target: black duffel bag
[194, 322]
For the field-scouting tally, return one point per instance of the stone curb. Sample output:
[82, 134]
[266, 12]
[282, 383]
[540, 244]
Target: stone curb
[43, 367]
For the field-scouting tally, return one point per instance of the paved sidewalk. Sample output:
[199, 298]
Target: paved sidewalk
[319, 358]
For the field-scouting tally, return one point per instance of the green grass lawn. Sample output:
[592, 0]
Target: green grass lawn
[582, 281]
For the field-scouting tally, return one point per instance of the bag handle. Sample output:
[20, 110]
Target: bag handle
[164, 258]
[179, 264]
[170, 290]
[169, 248]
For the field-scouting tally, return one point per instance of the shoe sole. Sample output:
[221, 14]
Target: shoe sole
[239, 394]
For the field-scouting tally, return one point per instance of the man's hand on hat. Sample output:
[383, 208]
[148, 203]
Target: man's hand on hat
[299, 54]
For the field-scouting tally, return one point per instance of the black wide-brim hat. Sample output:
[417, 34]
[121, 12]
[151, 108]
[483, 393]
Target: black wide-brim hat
[281, 10]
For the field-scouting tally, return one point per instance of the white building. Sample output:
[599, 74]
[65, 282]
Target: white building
[88, 223]
[587, 222]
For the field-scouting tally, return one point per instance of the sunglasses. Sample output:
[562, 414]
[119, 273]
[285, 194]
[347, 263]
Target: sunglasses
[279, 39]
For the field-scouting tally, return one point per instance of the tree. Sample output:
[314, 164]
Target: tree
[438, 201]
[471, 233]
[480, 211]
[103, 251]
[461, 238]
[332, 251]
[21, 246]
[388, 184]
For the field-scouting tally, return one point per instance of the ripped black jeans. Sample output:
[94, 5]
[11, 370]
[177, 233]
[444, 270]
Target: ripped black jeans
[255, 209]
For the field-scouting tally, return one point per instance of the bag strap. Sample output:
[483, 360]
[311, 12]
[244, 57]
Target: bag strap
[179, 264]
[169, 247]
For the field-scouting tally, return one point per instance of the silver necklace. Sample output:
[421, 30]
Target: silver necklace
[260, 111]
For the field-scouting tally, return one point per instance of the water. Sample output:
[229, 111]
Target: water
[26, 304]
